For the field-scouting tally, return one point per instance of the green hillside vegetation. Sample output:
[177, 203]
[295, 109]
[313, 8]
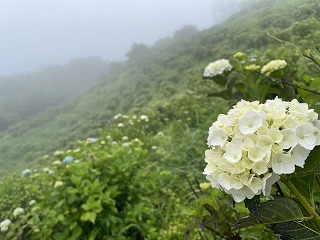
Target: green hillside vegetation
[130, 151]
[25, 95]
[159, 74]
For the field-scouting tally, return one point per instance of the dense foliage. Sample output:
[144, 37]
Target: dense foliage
[138, 173]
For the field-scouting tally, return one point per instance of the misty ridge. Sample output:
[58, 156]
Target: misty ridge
[27, 94]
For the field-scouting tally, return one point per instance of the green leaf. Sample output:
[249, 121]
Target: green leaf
[93, 204]
[313, 160]
[276, 211]
[88, 216]
[225, 94]
[77, 232]
[305, 185]
[241, 87]
[297, 230]
[253, 206]
[76, 180]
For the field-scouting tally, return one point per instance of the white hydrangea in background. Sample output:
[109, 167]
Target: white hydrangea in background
[4, 225]
[18, 211]
[253, 144]
[272, 66]
[32, 202]
[58, 184]
[144, 118]
[217, 68]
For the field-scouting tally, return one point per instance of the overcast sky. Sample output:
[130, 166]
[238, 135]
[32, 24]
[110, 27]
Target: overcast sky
[36, 33]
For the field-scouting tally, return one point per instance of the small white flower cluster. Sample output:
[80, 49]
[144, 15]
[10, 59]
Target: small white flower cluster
[18, 211]
[254, 143]
[4, 225]
[144, 118]
[217, 68]
[272, 66]
[58, 184]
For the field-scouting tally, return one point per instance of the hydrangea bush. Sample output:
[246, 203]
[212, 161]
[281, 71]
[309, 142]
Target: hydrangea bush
[217, 68]
[253, 144]
[264, 153]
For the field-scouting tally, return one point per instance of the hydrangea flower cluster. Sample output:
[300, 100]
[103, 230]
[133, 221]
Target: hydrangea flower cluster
[4, 225]
[217, 68]
[18, 211]
[254, 143]
[272, 66]
[26, 172]
[67, 159]
[58, 184]
[252, 67]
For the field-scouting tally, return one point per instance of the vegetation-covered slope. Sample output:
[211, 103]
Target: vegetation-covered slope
[159, 74]
[165, 105]
[28, 94]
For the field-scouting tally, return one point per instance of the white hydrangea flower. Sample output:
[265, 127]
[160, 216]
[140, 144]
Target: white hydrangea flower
[32, 202]
[58, 184]
[316, 124]
[253, 144]
[217, 137]
[272, 66]
[267, 181]
[299, 155]
[283, 163]
[18, 211]
[250, 122]
[4, 225]
[305, 136]
[217, 68]
[144, 118]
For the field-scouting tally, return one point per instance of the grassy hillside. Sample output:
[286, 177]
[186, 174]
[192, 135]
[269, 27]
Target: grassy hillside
[152, 80]
[25, 95]
[139, 135]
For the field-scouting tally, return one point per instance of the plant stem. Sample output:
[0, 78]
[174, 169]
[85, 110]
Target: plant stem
[301, 199]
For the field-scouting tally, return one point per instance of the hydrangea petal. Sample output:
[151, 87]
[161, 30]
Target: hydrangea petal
[299, 155]
[250, 122]
[267, 181]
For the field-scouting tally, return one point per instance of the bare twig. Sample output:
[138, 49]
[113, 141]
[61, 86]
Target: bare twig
[279, 40]
[287, 83]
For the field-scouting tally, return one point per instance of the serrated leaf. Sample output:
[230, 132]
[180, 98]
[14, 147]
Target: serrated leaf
[312, 162]
[305, 185]
[91, 216]
[225, 94]
[219, 79]
[241, 87]
[253, 206]
[296, 230]
[271, 212]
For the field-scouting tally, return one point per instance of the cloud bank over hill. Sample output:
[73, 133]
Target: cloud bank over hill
[37, 33]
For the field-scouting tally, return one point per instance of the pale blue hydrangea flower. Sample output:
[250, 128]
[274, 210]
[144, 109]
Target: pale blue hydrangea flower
[92, 140]
[67, 159]
[26, 172]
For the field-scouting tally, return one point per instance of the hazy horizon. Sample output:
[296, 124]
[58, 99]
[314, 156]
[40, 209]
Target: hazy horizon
[38, 33]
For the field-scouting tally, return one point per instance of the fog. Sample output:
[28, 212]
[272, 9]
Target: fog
[37, 33]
